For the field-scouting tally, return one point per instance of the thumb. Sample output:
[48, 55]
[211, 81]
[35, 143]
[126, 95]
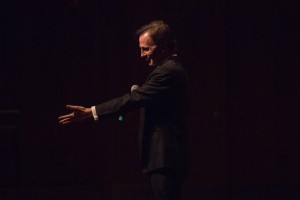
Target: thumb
[71, 107]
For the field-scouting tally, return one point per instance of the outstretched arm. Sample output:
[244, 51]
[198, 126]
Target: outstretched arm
[79, 113]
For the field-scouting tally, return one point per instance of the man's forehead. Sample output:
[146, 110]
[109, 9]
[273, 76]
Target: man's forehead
[145, 39]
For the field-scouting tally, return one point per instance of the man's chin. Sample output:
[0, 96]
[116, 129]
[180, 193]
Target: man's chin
[151, 64]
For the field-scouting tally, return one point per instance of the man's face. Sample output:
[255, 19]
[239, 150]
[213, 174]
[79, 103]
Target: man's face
[149, 50]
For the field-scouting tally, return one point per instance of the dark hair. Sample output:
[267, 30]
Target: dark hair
[161, 34]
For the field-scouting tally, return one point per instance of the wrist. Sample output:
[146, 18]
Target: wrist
[89, 112]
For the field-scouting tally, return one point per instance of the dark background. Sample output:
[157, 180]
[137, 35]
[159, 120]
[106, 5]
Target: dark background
[242, 58]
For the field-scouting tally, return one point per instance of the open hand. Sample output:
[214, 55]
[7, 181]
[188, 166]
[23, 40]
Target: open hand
[79, 113]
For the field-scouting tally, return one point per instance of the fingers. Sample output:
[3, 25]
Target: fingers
[66, 118]
[76, 115]
[65, 121]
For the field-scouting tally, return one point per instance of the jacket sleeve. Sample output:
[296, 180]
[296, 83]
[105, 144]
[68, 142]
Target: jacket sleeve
[155, 90]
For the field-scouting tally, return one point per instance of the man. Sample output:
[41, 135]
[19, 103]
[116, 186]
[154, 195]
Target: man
[163, 99]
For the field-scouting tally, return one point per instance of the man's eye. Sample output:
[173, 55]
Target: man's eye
[145, 49]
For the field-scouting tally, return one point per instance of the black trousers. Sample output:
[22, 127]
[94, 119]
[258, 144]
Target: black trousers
[166, 184]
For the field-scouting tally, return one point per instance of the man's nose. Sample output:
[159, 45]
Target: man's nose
[143, 54]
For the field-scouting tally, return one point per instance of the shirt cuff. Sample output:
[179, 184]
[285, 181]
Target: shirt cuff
[94, 113]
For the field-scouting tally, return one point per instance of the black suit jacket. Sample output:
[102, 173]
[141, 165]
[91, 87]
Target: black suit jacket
[164, 102]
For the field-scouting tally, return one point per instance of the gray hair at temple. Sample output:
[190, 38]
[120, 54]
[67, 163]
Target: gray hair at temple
[160, 33]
